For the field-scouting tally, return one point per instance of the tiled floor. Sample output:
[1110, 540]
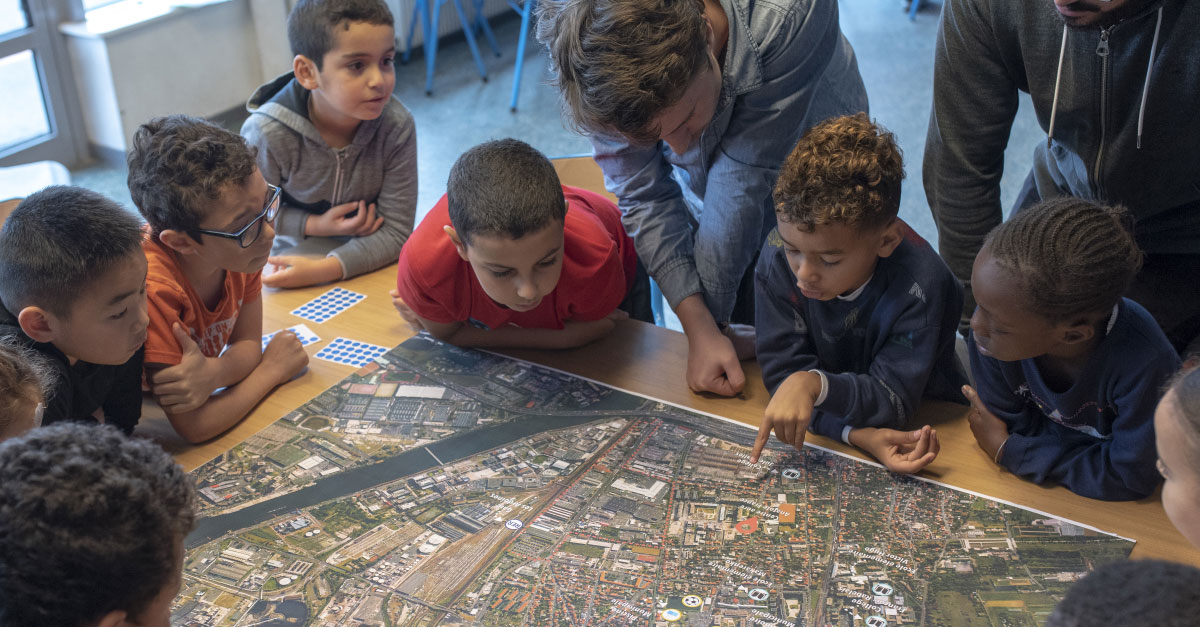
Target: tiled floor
[895, 57]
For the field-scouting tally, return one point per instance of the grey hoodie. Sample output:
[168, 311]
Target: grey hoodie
[1111, 95]
[379, 166]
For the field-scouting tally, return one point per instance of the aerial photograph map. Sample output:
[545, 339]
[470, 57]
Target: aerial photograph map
[443, 486]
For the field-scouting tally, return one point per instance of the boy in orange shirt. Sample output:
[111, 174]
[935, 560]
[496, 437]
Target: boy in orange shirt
[210, 215]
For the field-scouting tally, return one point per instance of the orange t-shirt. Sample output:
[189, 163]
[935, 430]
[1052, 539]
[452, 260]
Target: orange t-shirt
[170, 299]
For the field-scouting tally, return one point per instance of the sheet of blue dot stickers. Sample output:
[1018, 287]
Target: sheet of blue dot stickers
[303, 333]
[328, 305]
[350, 352]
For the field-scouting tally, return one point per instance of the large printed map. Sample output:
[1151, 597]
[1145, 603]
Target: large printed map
[441, 486]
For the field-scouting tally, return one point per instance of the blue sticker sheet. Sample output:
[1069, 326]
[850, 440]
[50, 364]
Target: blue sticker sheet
[303, 333]
[328, 305]
[350, 352]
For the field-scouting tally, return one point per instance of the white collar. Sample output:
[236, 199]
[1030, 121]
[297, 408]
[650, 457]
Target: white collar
[858, 292]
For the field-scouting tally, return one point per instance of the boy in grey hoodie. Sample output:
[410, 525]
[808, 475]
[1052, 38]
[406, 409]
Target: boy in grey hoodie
[1114, 85]
[342, 147]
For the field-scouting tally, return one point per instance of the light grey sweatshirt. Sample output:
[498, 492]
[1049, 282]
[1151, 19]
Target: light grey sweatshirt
[379, 166]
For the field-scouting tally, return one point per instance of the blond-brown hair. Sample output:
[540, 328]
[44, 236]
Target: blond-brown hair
[619, 63]
[844, 170]
[25, 379]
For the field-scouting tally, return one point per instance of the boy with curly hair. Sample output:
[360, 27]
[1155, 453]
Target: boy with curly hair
[91, 528]
[855, 313]
[210, 214]
[691, 105]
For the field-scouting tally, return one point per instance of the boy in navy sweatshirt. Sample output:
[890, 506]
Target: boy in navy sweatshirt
[1068, 372]
[855, 314]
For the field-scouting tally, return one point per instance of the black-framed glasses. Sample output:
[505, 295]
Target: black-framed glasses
[249, 233]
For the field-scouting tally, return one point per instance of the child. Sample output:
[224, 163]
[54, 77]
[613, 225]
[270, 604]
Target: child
[1140, 592]
[91, 529]
[509, 257]
[341, 146]
[210, 214]
[25, 383]
[1067, 372]
[1177, 433]
[73, 286]
[855, 314]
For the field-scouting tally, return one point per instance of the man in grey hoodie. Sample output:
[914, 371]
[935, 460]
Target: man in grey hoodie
[1116, 86]
[337, 141]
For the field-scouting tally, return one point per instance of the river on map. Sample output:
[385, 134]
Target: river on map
[410, 462]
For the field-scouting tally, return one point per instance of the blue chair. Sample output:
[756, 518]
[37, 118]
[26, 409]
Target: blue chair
[913, 7]
[525, 10]
[427, 12]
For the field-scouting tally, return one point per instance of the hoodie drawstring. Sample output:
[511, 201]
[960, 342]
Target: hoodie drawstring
[1062, 51]
[1146, 85]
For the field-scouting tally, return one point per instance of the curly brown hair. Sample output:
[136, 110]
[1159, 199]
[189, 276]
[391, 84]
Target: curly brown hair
[619, 63]
[179, 164]
[847, 170]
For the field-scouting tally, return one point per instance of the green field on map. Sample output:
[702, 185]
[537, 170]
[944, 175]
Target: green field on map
[441, 486]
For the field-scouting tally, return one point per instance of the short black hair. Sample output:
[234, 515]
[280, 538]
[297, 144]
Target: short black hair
[90, 523]
[503, 187]
[1140, 592]
[58, 242]
[179, 164]
[311, 23]
[1072, 256]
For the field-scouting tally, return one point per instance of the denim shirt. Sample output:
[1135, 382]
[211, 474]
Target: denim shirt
[787, 66]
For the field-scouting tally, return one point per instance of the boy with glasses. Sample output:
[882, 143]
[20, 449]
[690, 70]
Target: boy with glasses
[210, 214]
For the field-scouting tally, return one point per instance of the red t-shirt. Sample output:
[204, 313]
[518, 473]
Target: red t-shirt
[599, 264]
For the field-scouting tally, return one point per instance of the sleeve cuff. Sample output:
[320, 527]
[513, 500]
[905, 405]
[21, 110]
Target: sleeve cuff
[824, 389]
[846, 435]
[678, 280]
[291, 222]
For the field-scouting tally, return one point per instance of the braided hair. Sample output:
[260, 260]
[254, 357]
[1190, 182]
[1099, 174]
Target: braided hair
[1072, 256]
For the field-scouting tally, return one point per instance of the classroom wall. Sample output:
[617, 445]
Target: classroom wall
[198, 60]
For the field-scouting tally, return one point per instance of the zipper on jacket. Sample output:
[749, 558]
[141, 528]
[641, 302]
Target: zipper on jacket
[337, 179]
[1102, 51]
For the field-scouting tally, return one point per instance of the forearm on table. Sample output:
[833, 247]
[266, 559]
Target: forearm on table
[694, 316]
[364, 254]
[224, 410]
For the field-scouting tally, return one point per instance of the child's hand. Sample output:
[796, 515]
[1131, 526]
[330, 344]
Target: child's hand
[406, 312]
[285, 356]
[789, 411]
[989, 431]
[286, 271]
[188, 384]
[905, 452]
[337, 221]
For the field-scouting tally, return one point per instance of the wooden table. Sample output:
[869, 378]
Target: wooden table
[650, 360]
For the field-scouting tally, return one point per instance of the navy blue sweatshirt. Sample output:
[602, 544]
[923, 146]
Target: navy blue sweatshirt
[1096, 438]
[880, 352]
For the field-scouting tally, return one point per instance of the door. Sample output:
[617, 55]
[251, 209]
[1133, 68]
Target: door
[35, 119]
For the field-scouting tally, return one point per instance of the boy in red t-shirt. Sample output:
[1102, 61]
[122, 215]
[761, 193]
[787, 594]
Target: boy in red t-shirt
[510, 257]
